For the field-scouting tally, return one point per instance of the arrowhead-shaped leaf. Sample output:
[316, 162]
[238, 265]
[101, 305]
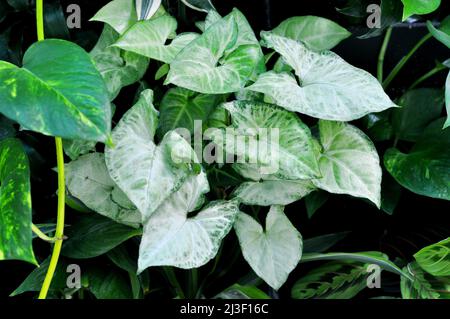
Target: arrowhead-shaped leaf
[330, 88]
[272, 252]
[171, 238]
[15, 203]
[349, 162]
[72, 102]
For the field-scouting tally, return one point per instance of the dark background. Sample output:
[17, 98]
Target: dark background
[417, 221]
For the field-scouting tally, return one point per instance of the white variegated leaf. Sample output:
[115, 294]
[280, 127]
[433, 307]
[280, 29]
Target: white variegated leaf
[145, 9]
[200, 5]
[119, 14]
[148, 38]
[170, 238]
[267, 193]
[274, 252]
[349, 162]
[330, 88]
[221, 60]
[147, 173]
[280, 146]
[87, 179]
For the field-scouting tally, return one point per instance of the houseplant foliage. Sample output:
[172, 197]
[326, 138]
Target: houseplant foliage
[145, 196]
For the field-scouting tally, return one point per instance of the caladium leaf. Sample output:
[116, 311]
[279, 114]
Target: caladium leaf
[330, 88]
[145, 9]
[283, 146]
[266, 193]
[419, 7]
[144, 171]
[148, 38]
[72, 101]
[118, 68]
[435, 259]
[221, 60]
[180, 107]
[272, 252]
[410, 121]
[88, 180]
[316, 32]
[425, 170]
[349, 162]
[15, 203]
[200, 5]
[171, 238]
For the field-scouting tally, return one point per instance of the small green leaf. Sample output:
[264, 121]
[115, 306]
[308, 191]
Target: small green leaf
[349, 162]
[419, 7]
[272, 252]
[72, 102]
[419, 108]
[330, 88]
[425, 170]
[443, 33]
[119, 14]
[316, 32]
[435, 259]
[15, 203]
[95, 235]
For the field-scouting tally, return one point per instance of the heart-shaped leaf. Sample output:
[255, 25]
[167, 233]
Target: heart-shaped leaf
[272, 252]
[72, 102]
[15, 203]
[349, 162]
[171, 238]
[330, 88]
[419, 7]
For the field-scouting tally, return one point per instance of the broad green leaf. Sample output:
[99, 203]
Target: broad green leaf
[119, 14]
[107, 284]
[349, 162]
[322, 243]
[419, 108]
[423, 285]
[272, 252]
[87, 179]
[221, 60]
[267, 193]
[370, 257]
[95, 235]
[145, 9]
[435, 259]
[72, 102]
[314, 201]
[280, 146]
[330, 88]
[447, 101]
[316, 32]
[118, 68]
[238, 291]
[171, 238]
[419, 7]
[200, 5]
[148, 38]
[442, 34]
[335, 280]
[425, 170]
[156, 177]
[180, 107]
[35, 279]
[15, 203]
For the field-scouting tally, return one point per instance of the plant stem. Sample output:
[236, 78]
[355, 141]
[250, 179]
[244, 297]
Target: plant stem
[404, 60]
[428, 75]
[59, 233]
[41, 235]
[382, 54]
[170, 274]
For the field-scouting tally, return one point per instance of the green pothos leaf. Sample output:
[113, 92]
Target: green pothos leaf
[330, 88]
[171, 238]
[419, 7]
[72, 102]
[15, 203]
[221, 60]
[88, 180]
[272, 252]
[349, 162]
